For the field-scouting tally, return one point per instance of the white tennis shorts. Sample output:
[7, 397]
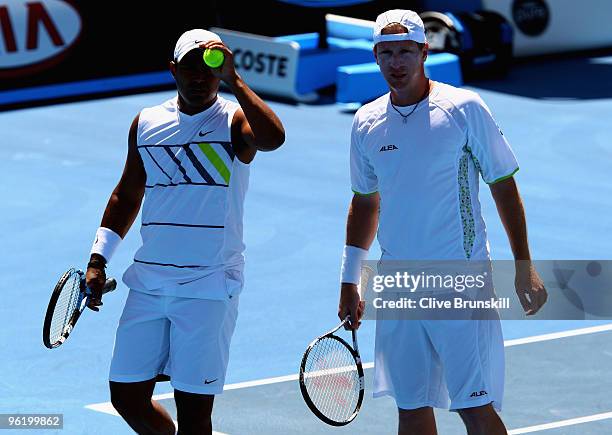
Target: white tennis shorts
[446, 364]
[187, 339]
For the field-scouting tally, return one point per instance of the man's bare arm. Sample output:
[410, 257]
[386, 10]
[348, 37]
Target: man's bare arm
[512, 214]
[121, 210]
[124, 203]
[361, 227]
[362, 222]
[255, 126]
[259, 126]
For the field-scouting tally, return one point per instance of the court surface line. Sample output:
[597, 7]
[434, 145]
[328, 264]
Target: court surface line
[562, 423]
[107, 407]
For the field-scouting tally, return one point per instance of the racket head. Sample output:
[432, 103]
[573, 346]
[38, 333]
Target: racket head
[331, 380]
[67, 302]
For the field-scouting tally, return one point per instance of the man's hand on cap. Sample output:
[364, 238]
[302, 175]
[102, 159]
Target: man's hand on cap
[227, 71]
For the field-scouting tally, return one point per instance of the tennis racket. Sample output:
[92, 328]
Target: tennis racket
[331, 378]
[68, 300]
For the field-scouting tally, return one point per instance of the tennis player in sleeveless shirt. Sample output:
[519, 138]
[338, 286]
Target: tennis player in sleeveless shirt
[189, 158]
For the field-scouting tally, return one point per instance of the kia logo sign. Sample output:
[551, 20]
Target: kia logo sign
[35, 33]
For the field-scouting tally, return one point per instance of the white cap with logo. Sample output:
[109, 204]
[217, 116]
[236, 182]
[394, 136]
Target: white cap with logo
[192, 39]
[409, 19]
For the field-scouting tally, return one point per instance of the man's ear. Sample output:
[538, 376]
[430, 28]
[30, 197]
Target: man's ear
[375, 54]
[425, 52]
[172, 68]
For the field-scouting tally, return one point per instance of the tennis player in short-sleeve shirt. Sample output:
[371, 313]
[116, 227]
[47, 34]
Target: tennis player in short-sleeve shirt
[415, 160]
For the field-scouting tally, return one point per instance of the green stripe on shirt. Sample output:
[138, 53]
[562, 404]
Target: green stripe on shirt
[364, 194]
[216, 161]
[505, 177]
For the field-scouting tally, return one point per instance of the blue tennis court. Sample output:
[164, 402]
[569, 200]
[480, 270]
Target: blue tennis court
[60, 163]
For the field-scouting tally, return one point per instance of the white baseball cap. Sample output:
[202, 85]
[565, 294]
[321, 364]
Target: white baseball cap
[192, 39]
[409, 19]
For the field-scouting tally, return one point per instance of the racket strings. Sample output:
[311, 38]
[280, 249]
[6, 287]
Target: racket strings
[65, 307]
[332, 380]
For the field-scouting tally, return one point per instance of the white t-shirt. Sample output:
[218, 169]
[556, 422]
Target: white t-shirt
[426, 172]
[193, 205]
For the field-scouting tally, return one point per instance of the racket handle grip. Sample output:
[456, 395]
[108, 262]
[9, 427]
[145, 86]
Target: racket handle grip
[109, 286]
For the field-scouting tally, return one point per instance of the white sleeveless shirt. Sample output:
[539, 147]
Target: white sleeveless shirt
[194, 196]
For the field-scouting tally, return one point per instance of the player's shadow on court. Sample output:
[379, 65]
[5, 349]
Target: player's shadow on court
[584, 76]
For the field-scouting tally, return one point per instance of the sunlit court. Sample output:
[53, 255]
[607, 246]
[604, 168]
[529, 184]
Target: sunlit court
[271, 160]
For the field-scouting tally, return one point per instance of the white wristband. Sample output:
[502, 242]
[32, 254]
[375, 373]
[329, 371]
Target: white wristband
[352, 257]
[106, 243]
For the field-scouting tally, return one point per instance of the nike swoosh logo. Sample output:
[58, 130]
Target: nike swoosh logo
[204, 134]
[206, 381]
[193, 280]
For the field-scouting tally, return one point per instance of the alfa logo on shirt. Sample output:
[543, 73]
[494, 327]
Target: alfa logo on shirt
[388, 148]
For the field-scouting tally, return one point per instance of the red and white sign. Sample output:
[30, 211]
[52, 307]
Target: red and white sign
[35, 34]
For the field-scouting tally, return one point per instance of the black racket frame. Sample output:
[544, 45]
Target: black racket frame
[109, 286]
[355, 353]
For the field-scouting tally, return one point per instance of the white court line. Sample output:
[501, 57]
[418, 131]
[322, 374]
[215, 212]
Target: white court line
[562, 423]
[556, 335]
[107, 407]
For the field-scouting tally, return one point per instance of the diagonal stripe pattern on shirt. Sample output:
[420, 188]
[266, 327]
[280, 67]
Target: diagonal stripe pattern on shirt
[157, 164]
[178, 163]
[217, 162]
[228, 149]
[196, 164]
